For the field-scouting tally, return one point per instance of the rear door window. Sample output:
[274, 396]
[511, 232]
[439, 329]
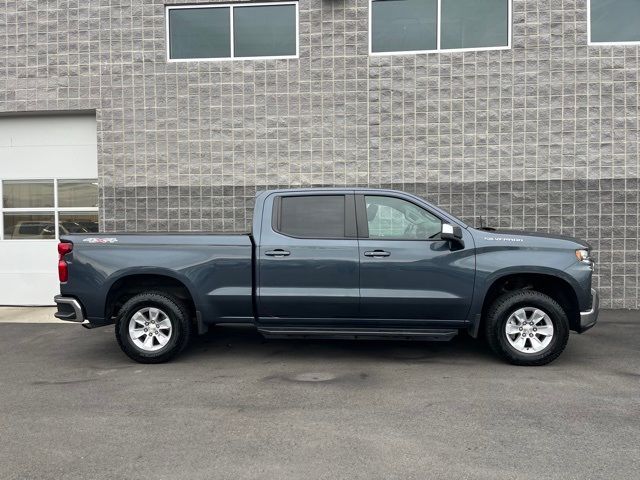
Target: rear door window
[317, 216]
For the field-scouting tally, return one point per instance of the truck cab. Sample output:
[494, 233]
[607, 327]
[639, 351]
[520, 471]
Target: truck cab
[361, 257]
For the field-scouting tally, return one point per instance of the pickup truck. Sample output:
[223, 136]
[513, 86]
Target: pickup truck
[334, 263]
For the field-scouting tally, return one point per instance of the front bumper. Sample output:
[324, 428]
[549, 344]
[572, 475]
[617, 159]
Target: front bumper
[69, 309]
[588, 319]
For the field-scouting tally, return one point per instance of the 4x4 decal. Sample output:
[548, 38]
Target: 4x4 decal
[100, 240]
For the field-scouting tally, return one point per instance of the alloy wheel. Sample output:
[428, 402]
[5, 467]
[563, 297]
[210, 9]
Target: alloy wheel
[150, 329]
[529, 330]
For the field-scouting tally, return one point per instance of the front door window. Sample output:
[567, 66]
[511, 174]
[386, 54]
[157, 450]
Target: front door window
[392, 218]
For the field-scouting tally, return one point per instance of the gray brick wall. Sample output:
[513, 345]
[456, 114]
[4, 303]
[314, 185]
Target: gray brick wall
[543, 136]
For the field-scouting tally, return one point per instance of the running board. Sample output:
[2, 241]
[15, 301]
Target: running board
[423, 334]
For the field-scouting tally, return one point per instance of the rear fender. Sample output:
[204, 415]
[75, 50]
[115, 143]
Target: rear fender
[157, 271]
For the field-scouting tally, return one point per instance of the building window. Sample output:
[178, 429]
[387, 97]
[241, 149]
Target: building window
[225, 32]
[614, 21]
[420, 26]
[47, 209]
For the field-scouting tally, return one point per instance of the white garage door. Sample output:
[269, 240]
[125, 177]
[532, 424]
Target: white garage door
[48, 187]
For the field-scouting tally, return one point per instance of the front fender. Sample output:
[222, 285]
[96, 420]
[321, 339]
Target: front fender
[498, 262]
[484, 283]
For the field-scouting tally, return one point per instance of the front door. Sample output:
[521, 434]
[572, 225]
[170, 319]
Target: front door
[406, 271]
[308, 259]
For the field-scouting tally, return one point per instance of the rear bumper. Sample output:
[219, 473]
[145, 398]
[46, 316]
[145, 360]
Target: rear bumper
[69, 309]
[589, 318]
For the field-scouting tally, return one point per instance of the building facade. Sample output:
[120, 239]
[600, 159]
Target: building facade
[540, 132]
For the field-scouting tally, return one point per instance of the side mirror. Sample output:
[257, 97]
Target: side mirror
[453, 233]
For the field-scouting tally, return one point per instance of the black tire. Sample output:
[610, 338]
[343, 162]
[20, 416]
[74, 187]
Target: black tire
[499, 313]
[177, 313]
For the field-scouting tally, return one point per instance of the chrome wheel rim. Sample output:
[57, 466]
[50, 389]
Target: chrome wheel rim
[529, 330]
[150, 329]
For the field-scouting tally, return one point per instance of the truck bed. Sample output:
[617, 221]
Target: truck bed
[216, 269]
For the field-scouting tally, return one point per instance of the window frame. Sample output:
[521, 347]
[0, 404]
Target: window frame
[438, 35]
[231, 7]
[350, 223]
[602, 44]
[55, 210]
[363, 223]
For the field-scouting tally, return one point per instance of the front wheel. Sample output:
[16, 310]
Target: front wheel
[527, 327]
[153, 327]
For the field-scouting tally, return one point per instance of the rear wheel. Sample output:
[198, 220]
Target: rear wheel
[527, 327]
[153, 327]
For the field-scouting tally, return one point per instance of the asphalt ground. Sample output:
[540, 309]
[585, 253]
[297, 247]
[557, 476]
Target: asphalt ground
[235, 406]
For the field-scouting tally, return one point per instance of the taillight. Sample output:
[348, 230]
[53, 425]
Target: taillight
[63, 270]
[64, 248]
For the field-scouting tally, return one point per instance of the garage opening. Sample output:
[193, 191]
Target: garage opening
[48, 188]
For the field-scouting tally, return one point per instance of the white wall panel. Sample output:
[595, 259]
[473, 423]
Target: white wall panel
[48, 146]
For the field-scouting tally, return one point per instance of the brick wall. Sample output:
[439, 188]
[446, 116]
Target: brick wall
[543, 136]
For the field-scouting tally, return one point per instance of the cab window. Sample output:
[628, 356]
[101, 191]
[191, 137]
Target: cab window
[396, 219]
[314, 216]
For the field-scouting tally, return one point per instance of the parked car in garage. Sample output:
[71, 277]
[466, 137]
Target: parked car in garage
[37, 229]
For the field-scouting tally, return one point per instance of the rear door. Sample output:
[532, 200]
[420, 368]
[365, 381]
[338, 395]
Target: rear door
[308, 259]
[407, 272]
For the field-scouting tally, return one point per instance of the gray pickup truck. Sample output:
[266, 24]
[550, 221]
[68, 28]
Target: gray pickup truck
[334, 263]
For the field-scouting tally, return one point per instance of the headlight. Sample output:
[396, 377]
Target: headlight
[583, 256]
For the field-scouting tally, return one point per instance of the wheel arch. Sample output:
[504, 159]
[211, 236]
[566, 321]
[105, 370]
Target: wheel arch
[550, 282]
[128, 284]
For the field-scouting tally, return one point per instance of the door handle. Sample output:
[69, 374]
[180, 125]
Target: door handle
[278, 252]
[377, 253]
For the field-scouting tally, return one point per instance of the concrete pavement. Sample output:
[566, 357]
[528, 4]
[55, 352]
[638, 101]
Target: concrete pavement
[235, 406]
[28, 315]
